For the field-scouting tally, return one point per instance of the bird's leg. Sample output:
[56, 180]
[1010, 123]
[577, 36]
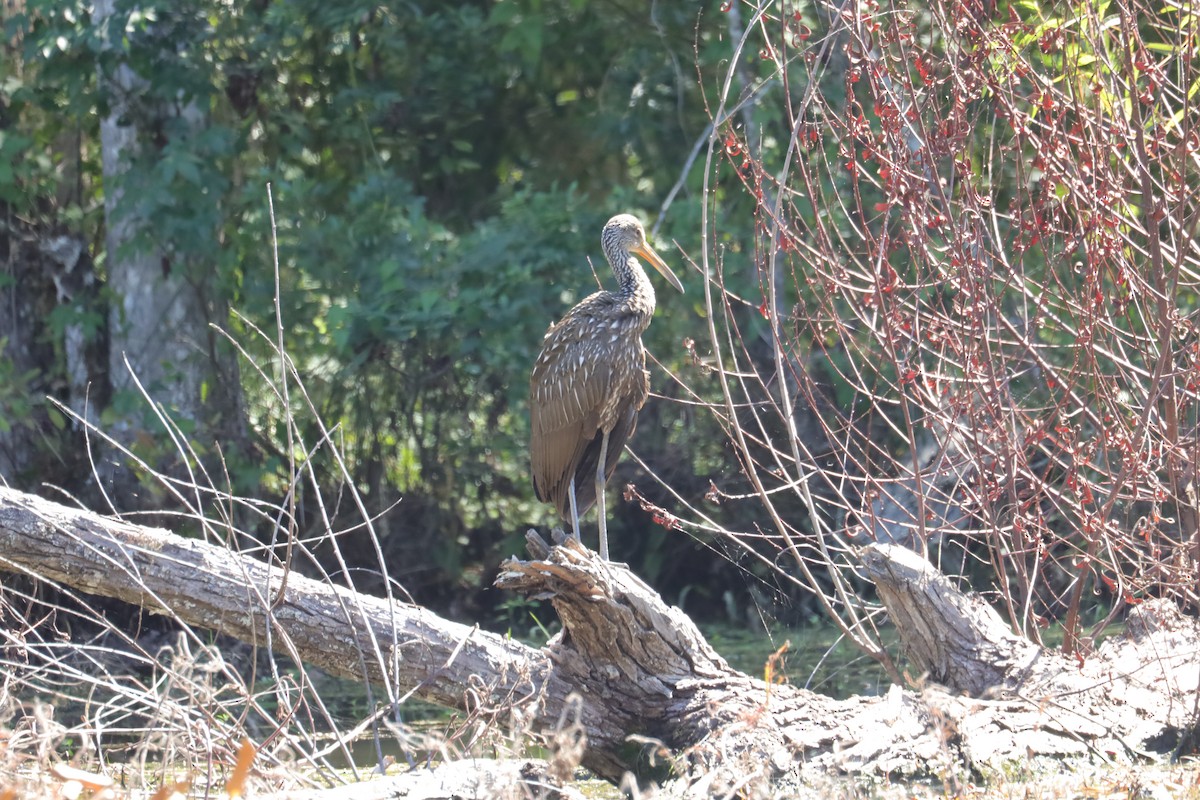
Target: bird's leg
[600, 497]
[574, 510]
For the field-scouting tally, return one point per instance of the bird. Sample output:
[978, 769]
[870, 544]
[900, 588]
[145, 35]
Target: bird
[590, 381]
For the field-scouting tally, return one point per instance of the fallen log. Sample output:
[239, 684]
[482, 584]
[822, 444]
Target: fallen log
[638, 682]
[1134, 697]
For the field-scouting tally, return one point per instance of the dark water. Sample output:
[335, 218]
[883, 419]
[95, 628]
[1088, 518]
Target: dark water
[815, 658]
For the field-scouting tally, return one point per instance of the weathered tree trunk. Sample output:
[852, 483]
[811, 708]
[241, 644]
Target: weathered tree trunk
[26, 348]
[43, 269]
[163, 302]
[626, 665]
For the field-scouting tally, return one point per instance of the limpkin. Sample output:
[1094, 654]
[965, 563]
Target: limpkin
[590, 381]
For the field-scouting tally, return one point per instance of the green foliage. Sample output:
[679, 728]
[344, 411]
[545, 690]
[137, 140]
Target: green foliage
[440, 174]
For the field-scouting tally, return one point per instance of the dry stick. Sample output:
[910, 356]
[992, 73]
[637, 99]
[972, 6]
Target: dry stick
[287, 512]
[1162, 385]
[1071, 625]
[327, 522]
[276, 522]
[853, 629]
[915, 141]
[787, 405]
[917, 134]
[1078, 402]
[283, 390]
[1186, 133]
[325, 440]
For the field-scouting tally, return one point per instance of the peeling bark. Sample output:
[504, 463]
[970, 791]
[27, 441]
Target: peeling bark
[628, 669]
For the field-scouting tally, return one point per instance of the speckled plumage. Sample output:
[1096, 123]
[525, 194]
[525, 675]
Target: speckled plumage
[590, 378]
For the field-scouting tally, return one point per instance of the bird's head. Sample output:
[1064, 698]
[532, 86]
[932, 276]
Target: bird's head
[624, 236]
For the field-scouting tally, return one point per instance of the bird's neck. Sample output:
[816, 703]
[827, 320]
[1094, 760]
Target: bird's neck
[636, 291]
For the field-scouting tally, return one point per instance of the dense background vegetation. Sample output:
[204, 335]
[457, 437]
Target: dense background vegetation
[440, 172]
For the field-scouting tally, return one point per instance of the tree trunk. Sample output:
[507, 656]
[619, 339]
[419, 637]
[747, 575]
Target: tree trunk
[26, 299]
[41, 271]
[163, 301]
[629, 668]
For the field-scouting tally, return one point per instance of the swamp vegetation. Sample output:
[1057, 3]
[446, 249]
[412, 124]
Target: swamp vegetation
[275, 275]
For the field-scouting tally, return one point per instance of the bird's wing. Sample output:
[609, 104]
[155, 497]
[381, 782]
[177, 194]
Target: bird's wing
[567, 391]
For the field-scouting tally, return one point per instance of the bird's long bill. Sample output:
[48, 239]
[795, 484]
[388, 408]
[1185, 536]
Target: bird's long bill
[647, 252]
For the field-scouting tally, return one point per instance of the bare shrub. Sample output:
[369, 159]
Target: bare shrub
[968, 323]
